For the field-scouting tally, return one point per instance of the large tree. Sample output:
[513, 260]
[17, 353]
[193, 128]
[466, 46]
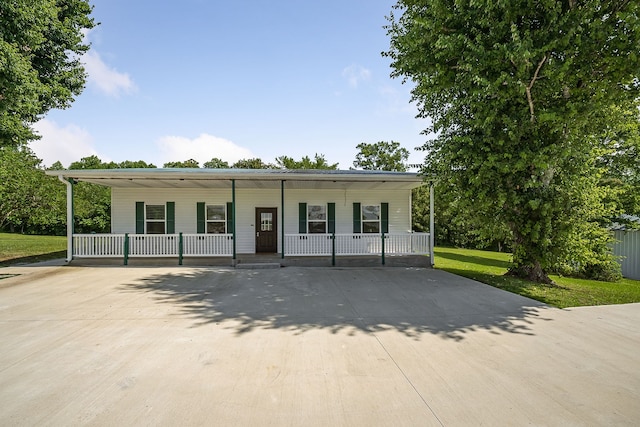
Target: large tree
[41, 42]
[382, 155]
[517, 92]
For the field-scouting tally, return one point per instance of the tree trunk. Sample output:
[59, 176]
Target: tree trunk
[532, 273]
[526, 265]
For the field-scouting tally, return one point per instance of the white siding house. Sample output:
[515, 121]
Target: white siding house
[229, 213]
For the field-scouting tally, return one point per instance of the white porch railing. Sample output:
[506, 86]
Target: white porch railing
[356, 244]
[151, 245]
[98, 245]
[213, 245]
[207, 244]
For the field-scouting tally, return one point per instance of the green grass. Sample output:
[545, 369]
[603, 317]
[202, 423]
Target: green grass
[489, 267]
[19, 248]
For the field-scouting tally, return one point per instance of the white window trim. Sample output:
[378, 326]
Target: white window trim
[325, 220]
[164, 221]
[370, 221]
[207, 220]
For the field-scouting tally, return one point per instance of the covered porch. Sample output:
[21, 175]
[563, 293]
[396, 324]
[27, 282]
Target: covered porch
[333, 246]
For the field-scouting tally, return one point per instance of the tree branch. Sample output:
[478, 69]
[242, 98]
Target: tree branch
[528, 88]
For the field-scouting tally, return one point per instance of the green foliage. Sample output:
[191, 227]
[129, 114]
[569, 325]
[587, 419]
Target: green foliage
[216, 163]
[319, 162]
[252, 164]
[135, 164]
[40, 46]
[490, 267]
[382, 155]
[30, 201]
[517, 92]
[620, 160]
[456, 223]
[191, 163]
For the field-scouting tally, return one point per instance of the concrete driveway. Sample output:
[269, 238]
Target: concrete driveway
[305, 346]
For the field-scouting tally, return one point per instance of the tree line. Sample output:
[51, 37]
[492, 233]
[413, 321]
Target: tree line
[32, 202]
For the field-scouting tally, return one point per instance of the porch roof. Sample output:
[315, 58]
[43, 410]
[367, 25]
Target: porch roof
[244, 178]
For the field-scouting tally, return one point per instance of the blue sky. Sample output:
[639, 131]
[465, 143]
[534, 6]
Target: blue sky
[198, 79]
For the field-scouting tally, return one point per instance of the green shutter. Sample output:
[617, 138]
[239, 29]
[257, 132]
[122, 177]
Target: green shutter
[302, 218]
[171, 217]
[331, 216]
[229, 218]
[357, 218]
[200, 223]
[139, 217]
[384, 207]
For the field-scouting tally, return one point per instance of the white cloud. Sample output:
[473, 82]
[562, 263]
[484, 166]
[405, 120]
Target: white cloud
[106, 79]
[355, 74]
[203, 148]
[67, 144]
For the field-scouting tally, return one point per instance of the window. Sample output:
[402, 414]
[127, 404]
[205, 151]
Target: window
[154, 219]
[216, 219]
[317, 218]
[266, 221]
[371, 219]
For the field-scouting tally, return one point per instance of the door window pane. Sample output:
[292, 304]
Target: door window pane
[266, 221]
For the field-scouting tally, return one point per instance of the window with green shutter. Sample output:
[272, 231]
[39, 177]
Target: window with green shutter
[302, 218]
[331, 214]
[171, 217]
[230, 218]
[384, 217]
[200, 222]
[357, 222]
[139, 217]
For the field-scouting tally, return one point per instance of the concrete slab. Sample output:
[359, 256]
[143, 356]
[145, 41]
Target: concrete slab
[304, 346]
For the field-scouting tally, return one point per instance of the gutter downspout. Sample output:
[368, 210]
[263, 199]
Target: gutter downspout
[69, 184]
[233, 215]
[432, 235]
[282, 216]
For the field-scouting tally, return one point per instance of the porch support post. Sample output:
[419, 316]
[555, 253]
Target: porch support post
[432, 237]
[383, 248]
[126, 248]
[180, 248]
[282, 216]
[233, 215]
[69, 183]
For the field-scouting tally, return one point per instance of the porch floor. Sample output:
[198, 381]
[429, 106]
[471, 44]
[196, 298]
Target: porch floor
[266, 258]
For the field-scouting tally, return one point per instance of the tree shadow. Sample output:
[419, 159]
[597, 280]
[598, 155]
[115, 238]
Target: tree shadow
[32, 258]
[472, 259]
[411, 301]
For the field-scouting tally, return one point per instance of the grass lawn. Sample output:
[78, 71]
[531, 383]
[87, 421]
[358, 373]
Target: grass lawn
[18, 248]
[489, 267]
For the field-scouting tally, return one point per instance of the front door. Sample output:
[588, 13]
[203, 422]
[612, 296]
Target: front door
[266, 230]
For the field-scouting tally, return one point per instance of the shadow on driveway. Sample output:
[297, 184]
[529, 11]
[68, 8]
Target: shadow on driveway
[411, 301]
